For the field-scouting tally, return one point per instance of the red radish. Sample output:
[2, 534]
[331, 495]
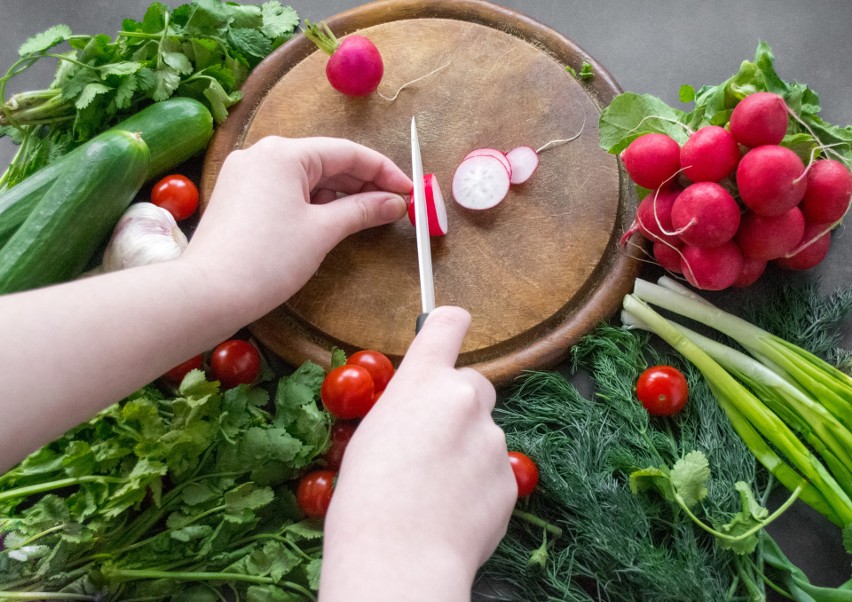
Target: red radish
[710, 154]
[828, 193]
[436, 210]
[480, 182]
[750, 273]
[705, 215]
[492, 152]
[668, 255]
[652, 159]
[355, 67]
[524, 162]
[712, 269]
[811, 250]
[771, 180]
[758, 119]
[765, 238]
[654, 214]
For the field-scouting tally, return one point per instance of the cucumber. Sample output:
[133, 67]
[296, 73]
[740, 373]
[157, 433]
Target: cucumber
[174, 130]
[77, 213]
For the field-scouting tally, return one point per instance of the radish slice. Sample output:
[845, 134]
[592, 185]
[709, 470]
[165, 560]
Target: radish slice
[436, 209]
[524, 162]
[480, 182]
[492, 152]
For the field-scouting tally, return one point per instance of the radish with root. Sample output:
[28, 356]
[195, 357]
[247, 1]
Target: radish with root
[712, 269]
[436, 209]
[810, 251]
[828, 192]
[654, 214]
[750, 273]
[480, 182]
[760, 119]
[652, 159]
[523, 161]
[705, 215]
[668, 255]
[765, 238]
[771, 180]
[709, 154]
[355, 66]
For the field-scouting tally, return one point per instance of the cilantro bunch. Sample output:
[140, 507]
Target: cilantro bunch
[631, 115]
[171, 498]
[203, 50]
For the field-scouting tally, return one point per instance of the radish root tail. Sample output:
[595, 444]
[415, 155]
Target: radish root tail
[414, 81]
[561, 141]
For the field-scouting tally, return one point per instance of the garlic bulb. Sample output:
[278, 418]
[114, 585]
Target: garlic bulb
[144, 234]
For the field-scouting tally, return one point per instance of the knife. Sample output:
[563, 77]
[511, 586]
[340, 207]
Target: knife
[421, 226]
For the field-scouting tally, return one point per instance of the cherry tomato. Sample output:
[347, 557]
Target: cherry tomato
[662, 390]
[526, 473]
[174, 377]
[177, 194]
[314, 492]
[347, 392]
[341, 433]
[235, 362]
[377, 364]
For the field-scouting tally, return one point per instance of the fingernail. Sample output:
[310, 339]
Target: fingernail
[394, 207]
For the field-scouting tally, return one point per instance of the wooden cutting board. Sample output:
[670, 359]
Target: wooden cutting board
[536, 272]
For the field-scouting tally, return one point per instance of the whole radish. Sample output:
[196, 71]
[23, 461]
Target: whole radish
[654, 214]
[709, 155]
[712, 269]
[652, 159]
[668, 255]
[810, 251]
[765, 238]
[771, 179]
[759, 119]
[705, 215]
[750, 273]
[355, 67]
[828, 192]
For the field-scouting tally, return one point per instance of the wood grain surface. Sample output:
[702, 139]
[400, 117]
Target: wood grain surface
[537, 271]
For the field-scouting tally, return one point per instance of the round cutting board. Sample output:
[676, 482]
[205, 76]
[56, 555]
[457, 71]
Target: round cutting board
[537, 271]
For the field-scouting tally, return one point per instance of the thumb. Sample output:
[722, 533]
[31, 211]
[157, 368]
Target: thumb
[364, 210]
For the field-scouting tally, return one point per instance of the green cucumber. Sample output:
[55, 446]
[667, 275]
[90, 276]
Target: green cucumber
[174, 130]
[76, 215]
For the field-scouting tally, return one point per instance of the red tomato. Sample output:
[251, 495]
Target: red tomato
[235, 362]
[177, 194]
[377, 364]
[314, 492]
[174, 377]
[341, 433]
[526, 473]
[662, 390]
[347, 392]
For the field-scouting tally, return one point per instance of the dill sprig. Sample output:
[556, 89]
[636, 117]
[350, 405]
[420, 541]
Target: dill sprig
[616, 545]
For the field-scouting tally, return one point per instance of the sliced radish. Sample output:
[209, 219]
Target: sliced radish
[436, 210]
[480, 182]
[524, 162]
[492, 152]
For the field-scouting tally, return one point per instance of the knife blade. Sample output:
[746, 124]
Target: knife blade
[421, 225]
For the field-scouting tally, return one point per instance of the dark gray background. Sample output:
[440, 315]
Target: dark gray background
[650, 46]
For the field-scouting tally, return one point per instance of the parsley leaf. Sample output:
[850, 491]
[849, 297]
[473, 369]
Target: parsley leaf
[45, 40]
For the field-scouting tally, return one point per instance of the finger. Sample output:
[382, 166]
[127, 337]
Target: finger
[485, 391]
[357, 212]
[440, 340]
[330, 157]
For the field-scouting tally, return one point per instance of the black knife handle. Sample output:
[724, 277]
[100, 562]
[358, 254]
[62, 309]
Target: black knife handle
[421, 319]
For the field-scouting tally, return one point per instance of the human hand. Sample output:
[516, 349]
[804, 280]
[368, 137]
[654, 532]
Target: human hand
[274, 213]
[425, 491]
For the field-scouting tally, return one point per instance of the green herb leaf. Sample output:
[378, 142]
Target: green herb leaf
[338, 357]
[89, 93]
[689, 477]
[45, 40]
[278, 21]
[630, 115]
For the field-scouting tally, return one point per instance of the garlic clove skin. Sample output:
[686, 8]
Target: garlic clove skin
[144, 234]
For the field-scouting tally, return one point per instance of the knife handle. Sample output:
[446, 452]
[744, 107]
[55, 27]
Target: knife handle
[421, 319]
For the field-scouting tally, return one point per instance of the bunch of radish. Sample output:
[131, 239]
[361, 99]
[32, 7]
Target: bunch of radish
[731, 200]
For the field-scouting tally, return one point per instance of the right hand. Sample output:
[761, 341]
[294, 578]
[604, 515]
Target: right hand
[425, 491]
